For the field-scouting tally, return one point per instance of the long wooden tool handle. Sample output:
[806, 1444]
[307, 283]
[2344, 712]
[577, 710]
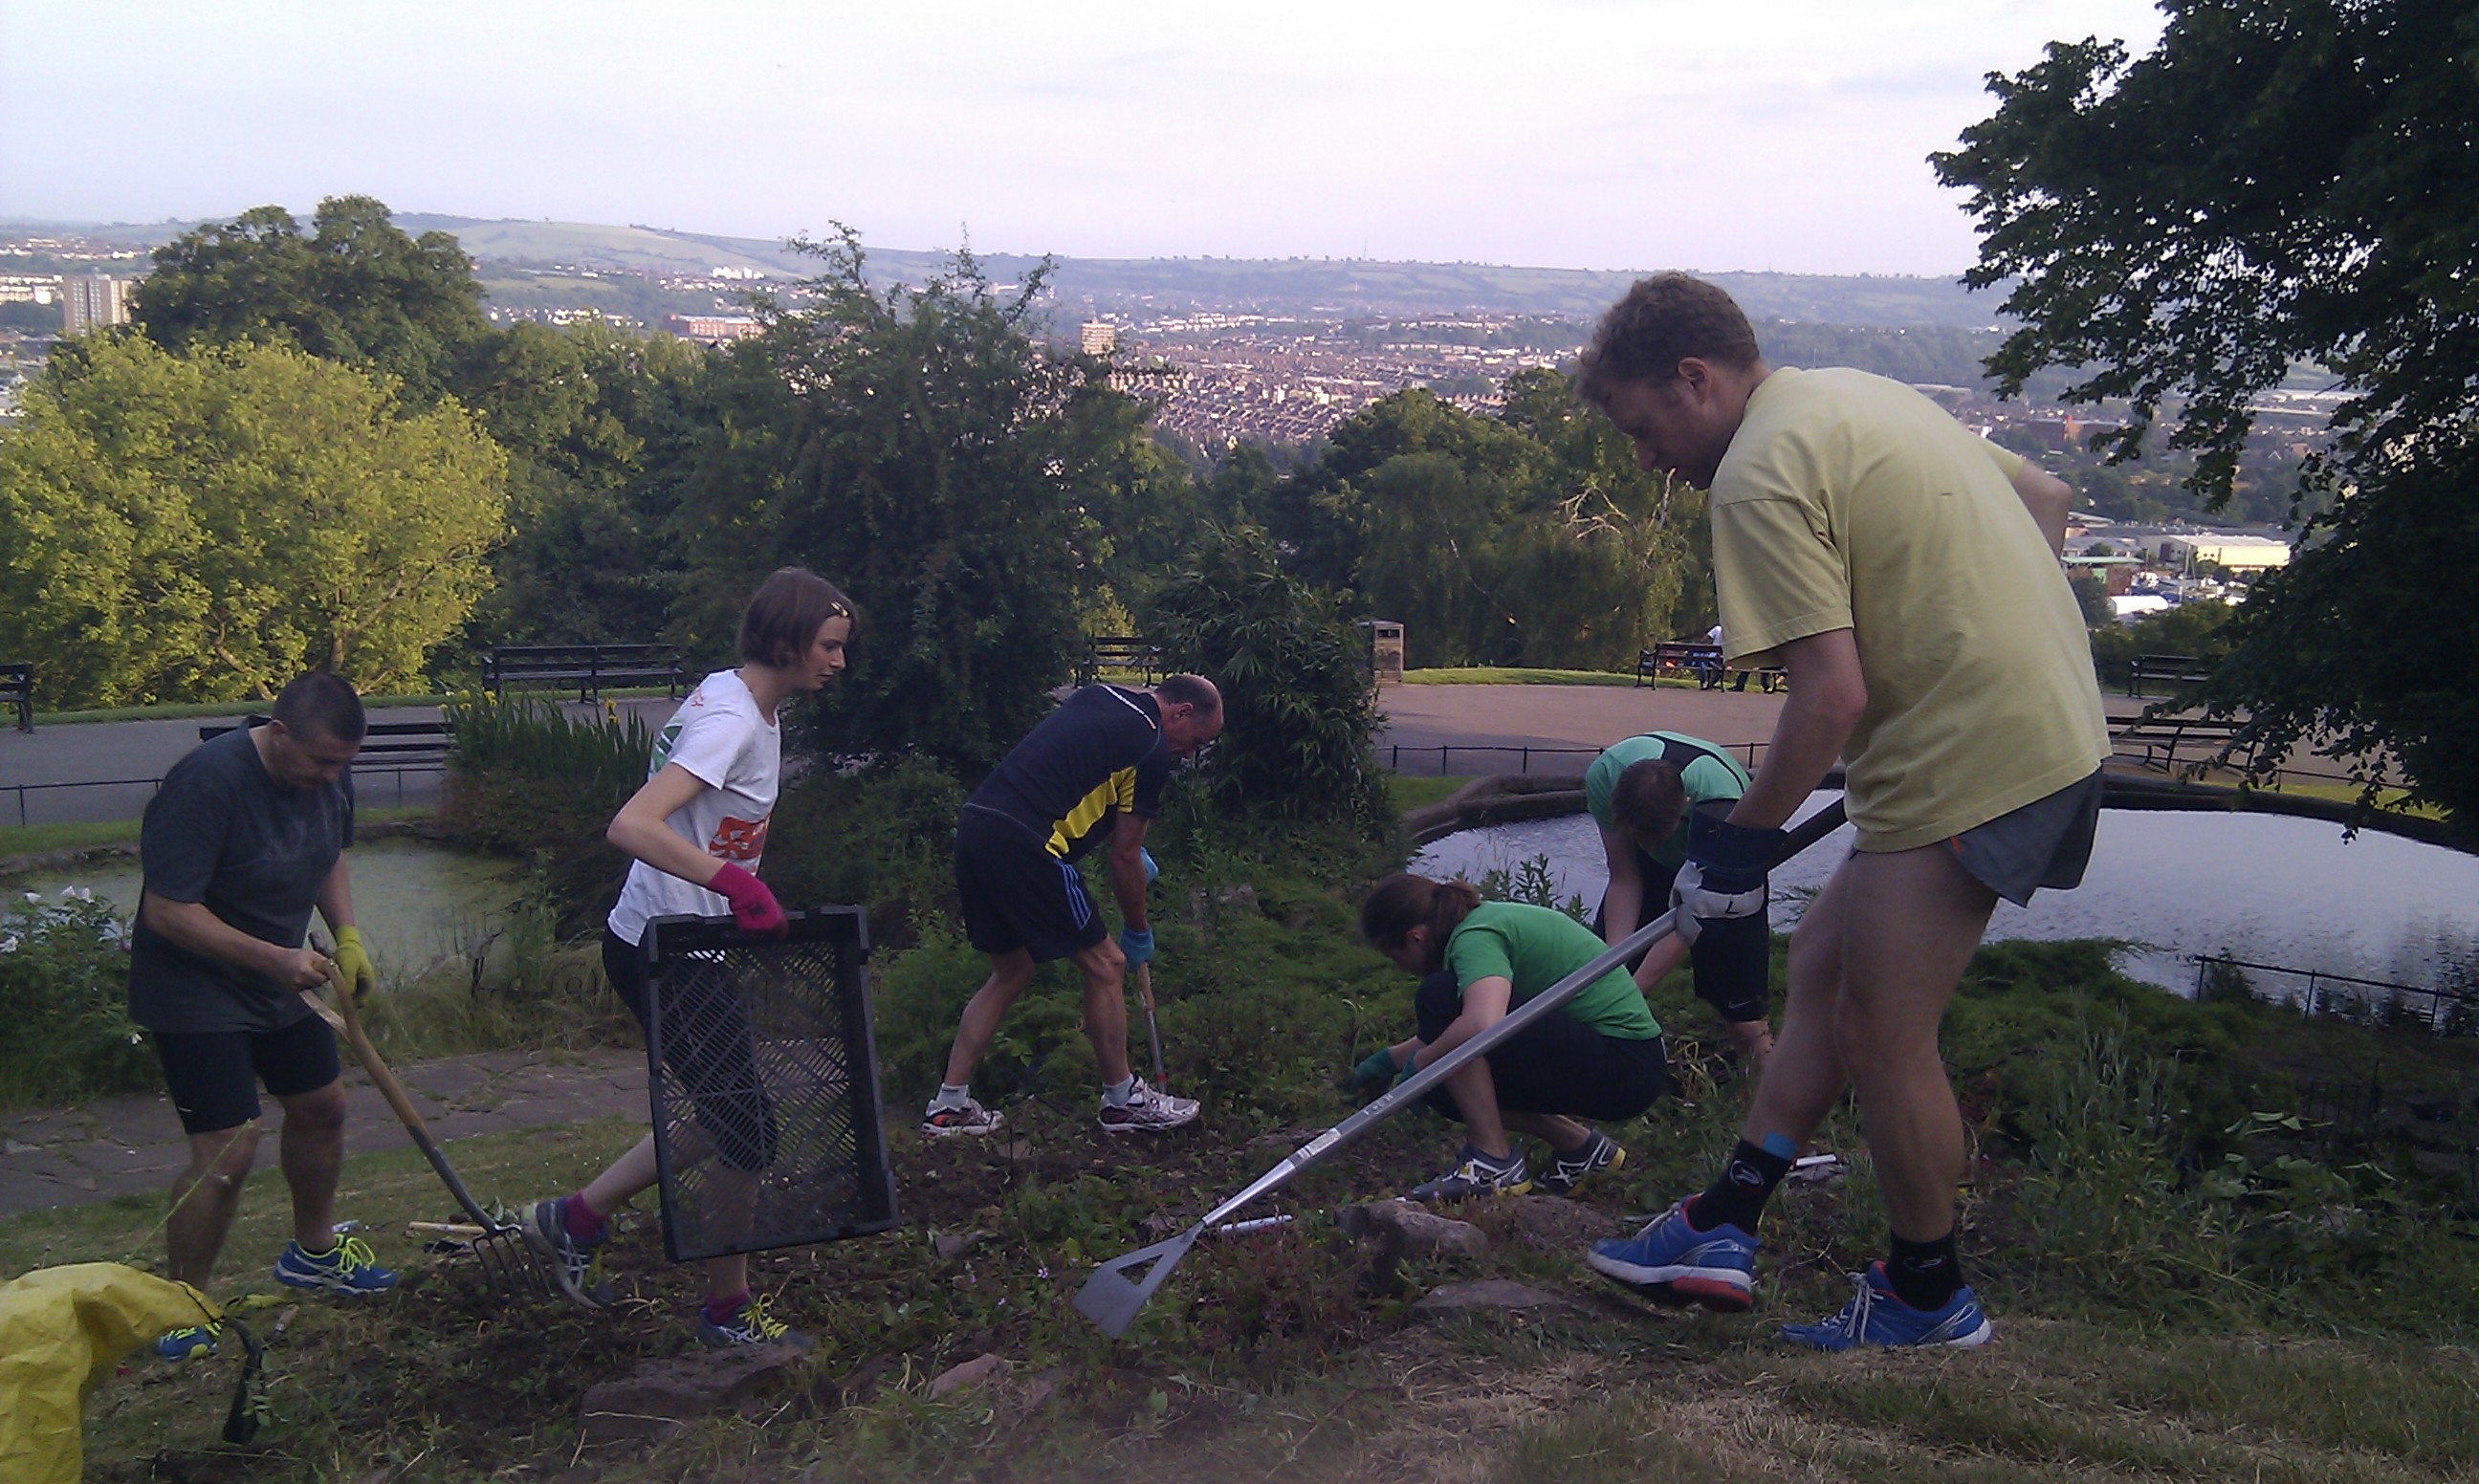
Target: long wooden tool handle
[350, 1025]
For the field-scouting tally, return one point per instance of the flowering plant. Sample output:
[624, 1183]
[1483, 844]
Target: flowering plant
[64, 1026]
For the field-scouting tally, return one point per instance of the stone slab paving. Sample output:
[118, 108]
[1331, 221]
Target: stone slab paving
[134, 1145]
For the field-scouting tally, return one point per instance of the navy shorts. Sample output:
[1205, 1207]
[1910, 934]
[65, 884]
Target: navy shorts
[214, 1075]
[1558, 1065]
[1016, 894]
[2047, 842]
[706, 1046]
[1732, 958]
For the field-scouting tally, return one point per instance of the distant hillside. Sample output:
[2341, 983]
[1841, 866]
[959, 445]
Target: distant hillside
[516, 256]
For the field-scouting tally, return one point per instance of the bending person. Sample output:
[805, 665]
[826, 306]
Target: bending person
[1597, 1058]
[696, 830]
[245, 836]
[1639, 792]
[1093, 771]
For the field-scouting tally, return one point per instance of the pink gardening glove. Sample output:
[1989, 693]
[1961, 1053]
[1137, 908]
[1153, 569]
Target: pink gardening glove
[753, 906]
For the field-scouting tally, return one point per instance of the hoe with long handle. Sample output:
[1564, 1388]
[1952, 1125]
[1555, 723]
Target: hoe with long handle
[1112, 1296]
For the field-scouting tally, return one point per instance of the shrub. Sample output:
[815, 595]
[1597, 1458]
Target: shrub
[64, 1026]
[528, 779]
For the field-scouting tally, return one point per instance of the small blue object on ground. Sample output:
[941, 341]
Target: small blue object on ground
[190, 1341]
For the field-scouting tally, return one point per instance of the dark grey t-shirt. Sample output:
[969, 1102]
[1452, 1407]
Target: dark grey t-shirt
[221, 831]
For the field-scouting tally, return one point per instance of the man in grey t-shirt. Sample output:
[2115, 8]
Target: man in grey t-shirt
[244, 837]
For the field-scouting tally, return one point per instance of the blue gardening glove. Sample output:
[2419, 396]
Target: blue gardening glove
[1152, 870]
[1136, 947]
[1375, 1069]
[1724, 874]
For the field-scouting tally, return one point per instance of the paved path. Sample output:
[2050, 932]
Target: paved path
[133, 1144]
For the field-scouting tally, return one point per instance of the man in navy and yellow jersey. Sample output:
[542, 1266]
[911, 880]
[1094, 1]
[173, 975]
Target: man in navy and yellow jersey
[1093, 771]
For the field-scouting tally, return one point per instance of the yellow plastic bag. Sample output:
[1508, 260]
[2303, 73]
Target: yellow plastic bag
[62, 1329]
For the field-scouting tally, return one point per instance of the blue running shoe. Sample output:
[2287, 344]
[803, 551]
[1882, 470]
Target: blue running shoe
[349, 1269]
[1715, 1269]
[190, 1341]
[752, 1324]
[1876, 1316]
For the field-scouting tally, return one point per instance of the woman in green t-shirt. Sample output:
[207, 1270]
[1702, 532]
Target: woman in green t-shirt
[1598, 1058]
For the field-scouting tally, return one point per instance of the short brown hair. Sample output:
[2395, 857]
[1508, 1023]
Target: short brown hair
[1647, 801]
[785, 614]
[323, 705]
[1399, 903]
[1662, 321]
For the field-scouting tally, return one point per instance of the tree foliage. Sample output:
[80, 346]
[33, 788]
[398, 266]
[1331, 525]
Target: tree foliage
[204, 526]
[1297, 711]
[2278, 181]
[356, 288]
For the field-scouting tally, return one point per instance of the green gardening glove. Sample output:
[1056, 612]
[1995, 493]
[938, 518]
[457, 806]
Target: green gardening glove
[355, 961]
[1375, 1070]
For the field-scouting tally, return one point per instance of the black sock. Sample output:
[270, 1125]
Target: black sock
[1739, 1194]
[1925, 1274]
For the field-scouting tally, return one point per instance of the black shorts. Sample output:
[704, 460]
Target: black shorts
[1016, 894]
[706, 1047]
[2047, 842]
[214, 1075]
[1558, 1065]
[1732, 957]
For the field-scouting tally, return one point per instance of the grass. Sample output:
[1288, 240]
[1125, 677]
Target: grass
[37, 839]
[2341, 790]
[1500, 674]
[1410, 791]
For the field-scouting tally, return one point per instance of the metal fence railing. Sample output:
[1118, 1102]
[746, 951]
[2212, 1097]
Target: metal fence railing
[150, 785]
[2446, 1010]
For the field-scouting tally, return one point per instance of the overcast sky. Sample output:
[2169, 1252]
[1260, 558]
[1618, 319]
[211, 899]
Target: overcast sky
[1761, 134]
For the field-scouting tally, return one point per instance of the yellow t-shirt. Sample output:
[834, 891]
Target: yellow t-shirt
[1851, 501]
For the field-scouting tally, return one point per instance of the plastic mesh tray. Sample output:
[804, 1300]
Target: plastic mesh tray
[763, 1076]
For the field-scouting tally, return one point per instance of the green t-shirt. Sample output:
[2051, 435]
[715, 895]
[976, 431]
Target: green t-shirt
[1532, 948]
[1704, 769]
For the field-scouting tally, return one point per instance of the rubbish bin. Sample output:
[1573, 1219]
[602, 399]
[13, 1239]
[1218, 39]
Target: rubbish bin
[1385, 652]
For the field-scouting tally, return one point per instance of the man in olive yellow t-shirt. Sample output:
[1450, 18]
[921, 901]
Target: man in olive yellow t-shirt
[1905, 574]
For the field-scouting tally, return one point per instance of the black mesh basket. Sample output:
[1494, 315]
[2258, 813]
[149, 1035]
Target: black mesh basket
[764, 1081]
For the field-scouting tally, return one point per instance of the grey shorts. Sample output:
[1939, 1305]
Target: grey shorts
[2047, 842]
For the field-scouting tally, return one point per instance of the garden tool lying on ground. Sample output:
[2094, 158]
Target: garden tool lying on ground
[1112, 1296]
[500, 1246]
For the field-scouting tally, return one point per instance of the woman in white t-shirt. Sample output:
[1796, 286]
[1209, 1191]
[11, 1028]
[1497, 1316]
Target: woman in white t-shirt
[696, 830]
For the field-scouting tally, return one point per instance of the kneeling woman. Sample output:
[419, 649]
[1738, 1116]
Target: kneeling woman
[1598, 1058]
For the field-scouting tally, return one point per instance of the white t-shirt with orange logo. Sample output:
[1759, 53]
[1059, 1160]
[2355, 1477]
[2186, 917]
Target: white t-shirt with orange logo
[737, 751]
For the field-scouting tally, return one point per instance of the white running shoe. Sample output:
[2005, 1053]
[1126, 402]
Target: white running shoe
[945, 1121]
[1148, 1111]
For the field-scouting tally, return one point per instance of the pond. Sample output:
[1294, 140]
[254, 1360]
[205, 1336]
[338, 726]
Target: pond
[2264, 887]
[418, 905]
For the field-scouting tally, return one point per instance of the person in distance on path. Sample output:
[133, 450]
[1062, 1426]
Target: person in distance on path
[1597, 1056]
[1093, 770]
[1905, 572]
[1639, 792]
[245, 835]
[696, 830]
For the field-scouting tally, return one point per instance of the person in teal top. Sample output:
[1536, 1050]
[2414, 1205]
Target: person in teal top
[1639, 792]
[1598, 1058]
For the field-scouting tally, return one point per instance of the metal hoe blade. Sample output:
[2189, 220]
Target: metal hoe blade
[1111, 1297]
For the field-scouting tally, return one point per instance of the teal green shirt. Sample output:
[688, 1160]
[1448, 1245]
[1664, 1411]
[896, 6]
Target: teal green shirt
[1532, 948]
[1704, 769]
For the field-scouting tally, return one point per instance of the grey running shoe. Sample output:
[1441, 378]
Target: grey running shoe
[1566, 1172]
[572, 1262]
[1148, 1111]
[946, 1122]
[1477, 1174]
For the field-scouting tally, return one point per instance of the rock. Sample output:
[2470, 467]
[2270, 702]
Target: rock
[1490, 1295]
[1042, 1387]
[1242, 896]
[1553, 1224]
[654, 1401]
[980, 1371]
[1406, 1230]
[954, 1244]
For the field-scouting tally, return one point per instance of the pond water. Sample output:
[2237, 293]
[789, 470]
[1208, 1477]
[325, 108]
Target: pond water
[2264, 887]
[418, 904]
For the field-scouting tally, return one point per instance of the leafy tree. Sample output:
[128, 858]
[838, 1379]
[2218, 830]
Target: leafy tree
[919, 446]
[2091, 595]
[1297, 709]
[2278, 181]
[356, 288]
[204, 526]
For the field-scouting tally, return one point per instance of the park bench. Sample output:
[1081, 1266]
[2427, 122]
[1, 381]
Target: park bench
[2174, 669]
[1120, 652]
[385, 745]
[1701, 660]
[591, 668]
[17, 689]
[2161, 736]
